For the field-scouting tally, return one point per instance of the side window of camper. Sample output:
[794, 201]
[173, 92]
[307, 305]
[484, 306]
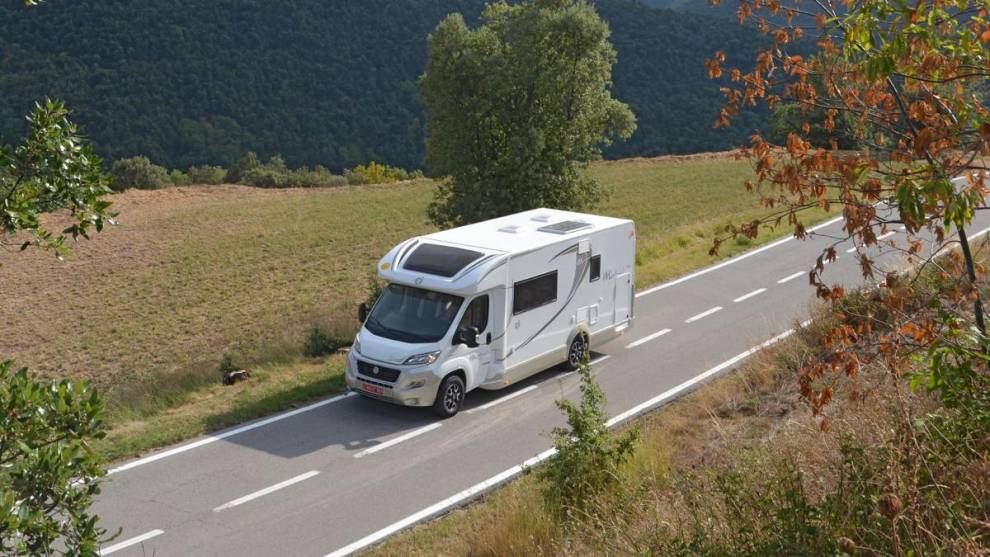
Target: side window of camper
[476, 314]
[534, 292]
[596, 268]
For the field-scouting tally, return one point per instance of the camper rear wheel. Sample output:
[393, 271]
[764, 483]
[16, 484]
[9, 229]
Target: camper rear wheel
[450, 396]
[577, 353]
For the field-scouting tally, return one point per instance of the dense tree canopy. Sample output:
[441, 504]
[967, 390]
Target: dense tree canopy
[514, 104]
[190, 82]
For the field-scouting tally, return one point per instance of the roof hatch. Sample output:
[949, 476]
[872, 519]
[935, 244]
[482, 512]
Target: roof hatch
[440, 260]
[565, 227]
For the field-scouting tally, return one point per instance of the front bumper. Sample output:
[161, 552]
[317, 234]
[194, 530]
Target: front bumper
[415, 386]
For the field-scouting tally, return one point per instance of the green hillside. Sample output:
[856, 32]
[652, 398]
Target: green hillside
[322, 82]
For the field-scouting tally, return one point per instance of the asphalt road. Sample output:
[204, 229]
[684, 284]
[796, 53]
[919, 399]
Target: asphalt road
[343, 473]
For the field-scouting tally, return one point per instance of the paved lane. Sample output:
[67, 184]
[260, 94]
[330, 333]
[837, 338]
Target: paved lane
[342, 473]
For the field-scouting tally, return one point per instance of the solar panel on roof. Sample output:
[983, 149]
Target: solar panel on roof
[565, 227]
[436, 259]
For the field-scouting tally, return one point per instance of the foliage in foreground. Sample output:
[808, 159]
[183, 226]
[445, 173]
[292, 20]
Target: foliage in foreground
[51, 169]
[589, 458]
[49, 473]
[48, 470]
[539, 102]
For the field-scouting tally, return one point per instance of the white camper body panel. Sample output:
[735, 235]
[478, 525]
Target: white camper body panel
[548, 275]
[538, 338]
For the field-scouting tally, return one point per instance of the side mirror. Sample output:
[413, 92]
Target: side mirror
[468, 336]
[362, 312]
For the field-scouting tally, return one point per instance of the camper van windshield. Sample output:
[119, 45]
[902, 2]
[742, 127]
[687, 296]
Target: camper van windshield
[410, 314]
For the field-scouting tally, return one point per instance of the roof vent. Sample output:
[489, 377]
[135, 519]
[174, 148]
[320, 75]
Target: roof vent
[540, 218]
[565, 227]
[512, 229]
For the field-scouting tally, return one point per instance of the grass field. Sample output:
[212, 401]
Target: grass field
[147, 309]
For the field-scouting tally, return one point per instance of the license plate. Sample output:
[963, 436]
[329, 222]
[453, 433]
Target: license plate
[373, 389]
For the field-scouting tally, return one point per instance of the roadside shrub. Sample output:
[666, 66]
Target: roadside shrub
[320, 344]
[589, 458]
[272, 174]
[138, 172]
[245, 164]
[207, 175]
[226, 365]
[317, 177]
[178, 178]
[375, 173]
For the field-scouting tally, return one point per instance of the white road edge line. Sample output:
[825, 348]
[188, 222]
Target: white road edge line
[703, 314]
[744, 297]
[133, 541]
[386, 444]
[502, 477]
[790, 277]
[226, 434]
[266, 491]
[498, 401]
[647, 338]
[732, 260]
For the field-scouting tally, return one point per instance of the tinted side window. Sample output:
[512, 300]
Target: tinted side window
[534, 292]
[476, 314]
[596, 268]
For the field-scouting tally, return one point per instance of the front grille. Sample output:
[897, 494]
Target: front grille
[377, 372]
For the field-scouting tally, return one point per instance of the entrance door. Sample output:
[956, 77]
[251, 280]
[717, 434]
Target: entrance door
[623, 297]
[478, 315]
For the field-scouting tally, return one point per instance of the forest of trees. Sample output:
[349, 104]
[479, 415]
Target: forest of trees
[193, 82]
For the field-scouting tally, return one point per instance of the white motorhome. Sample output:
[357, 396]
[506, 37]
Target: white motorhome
[489, 304]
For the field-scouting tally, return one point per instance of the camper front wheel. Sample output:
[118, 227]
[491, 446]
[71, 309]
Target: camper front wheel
[450, 396]
[578, 351]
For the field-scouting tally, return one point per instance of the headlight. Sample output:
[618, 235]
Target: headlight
[422, 359]
[356, 346]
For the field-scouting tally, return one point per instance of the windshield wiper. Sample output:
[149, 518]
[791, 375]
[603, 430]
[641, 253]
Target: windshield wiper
[400, 335]
[373, 319]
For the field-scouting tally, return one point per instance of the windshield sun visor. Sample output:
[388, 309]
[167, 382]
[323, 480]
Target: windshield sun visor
[440, 260]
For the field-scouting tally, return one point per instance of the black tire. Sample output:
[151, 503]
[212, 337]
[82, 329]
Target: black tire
[450, 397]
[577, 352]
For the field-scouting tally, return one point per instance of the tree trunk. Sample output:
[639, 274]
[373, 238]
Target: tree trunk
[971, 275]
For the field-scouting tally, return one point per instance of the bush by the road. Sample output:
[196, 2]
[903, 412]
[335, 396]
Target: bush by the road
[138, 172]
[207, 174]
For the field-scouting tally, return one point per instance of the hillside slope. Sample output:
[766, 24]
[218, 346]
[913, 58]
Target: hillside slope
[322, 82]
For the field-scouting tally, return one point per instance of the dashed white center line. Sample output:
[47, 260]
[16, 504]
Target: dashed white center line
[266, 491]
[850, 250]
[887, 235]
[756, 292]
[498, 401]
[133, 541]
[647, 338]
[790, 277]
[386, 444]
[703, 314]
